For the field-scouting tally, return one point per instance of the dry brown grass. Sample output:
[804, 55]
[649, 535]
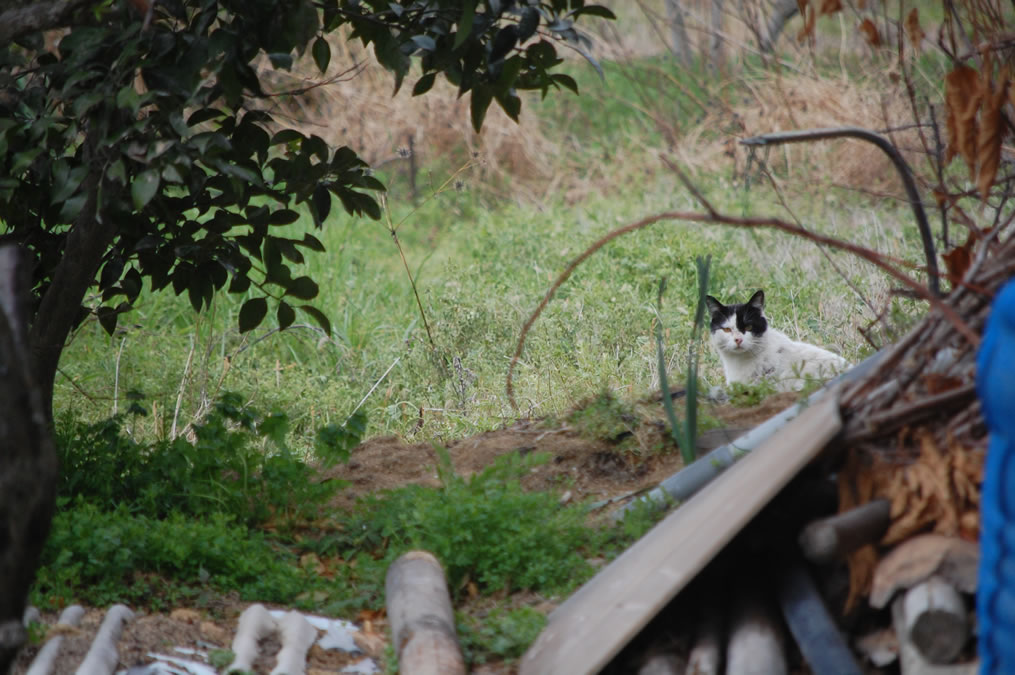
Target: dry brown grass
[353, 105]
[803, 101]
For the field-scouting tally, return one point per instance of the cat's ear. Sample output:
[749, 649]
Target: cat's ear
[757, 300]
[714, 306]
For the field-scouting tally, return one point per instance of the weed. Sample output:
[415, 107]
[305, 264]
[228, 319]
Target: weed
[745, 395]
[220, 658]
[100, 558]
[239, 465]
[501, 634]
[603, 417]
[484, 529]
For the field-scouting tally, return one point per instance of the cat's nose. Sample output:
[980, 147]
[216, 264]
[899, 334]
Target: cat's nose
[738, 340]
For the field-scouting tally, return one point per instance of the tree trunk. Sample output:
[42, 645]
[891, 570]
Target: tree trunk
[28, 463]
[87, 241]
[678, 33]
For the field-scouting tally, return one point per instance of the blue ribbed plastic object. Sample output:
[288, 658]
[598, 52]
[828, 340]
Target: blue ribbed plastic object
[995, 383]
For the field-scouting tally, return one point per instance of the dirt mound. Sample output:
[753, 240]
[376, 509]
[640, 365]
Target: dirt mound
[638, 458]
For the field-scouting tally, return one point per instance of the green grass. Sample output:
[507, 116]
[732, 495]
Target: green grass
[479, 277]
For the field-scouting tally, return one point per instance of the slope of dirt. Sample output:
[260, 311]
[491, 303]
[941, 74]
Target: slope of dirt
[586, 467]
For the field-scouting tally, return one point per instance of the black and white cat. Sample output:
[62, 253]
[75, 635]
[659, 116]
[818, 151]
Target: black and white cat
[750, 350]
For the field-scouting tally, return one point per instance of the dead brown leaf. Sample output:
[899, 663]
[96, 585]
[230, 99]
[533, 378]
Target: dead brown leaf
[913, 29]
[989, 135]
[962, 99]
[809, 16]
[862, 563]
[830, 7]
[937, 383]
[870, 33]
[920, 557]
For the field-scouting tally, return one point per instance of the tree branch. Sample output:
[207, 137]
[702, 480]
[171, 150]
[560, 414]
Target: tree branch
[905, 173]
[20, 18]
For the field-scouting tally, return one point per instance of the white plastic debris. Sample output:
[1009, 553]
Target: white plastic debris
[255, 623]
[102, 656]
[363, 667]
[297, 637]
[187, 666]
[337, 632]
[46, 658]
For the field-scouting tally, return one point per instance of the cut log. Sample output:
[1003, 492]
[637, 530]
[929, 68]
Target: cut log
[755, 644]
[813, 628]
[828, 539]
[706, 655]
[663, 663]
[910, 660]
[936, 620]
[422, 621]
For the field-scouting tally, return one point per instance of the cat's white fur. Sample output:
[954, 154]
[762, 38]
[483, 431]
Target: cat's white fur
[773, 356]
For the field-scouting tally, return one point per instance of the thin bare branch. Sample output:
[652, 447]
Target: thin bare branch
[867, 254]
[905, 173]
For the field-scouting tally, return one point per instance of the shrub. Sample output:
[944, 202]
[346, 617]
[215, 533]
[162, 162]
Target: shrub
[100, 557]
[238, 465]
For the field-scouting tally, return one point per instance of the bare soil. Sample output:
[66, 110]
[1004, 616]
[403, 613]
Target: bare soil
[580, 467]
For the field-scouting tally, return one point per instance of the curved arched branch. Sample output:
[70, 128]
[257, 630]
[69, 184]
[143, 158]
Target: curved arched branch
[867, 254]
[901, 166]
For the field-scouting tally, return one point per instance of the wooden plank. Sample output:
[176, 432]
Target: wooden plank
[594, 624]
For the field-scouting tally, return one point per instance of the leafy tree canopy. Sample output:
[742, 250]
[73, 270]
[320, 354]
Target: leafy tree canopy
[135, 146]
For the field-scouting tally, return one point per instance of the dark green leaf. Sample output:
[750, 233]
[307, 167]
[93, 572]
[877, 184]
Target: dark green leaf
[286, 315]
[283, 217]
[321, 52]
[107, 318]
[565, 81]
[286, 136]
[281, 60]
[424, 42]
[204, 115]
[320, 205]
[318, 316]
[240, 284]
[303, 288]
[313, 243]
[481, 98]
[595, 10]
[252, 313]
[144, 187]
[424, 84]
[465, 22]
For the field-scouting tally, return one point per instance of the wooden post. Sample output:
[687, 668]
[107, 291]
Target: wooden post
[422, 621]
[28, 464]
[825, 540]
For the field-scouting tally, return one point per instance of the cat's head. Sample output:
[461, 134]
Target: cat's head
[738, 328]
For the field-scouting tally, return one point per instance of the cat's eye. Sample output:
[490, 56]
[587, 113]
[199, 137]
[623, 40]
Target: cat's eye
[726, 329]
[749, 328]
